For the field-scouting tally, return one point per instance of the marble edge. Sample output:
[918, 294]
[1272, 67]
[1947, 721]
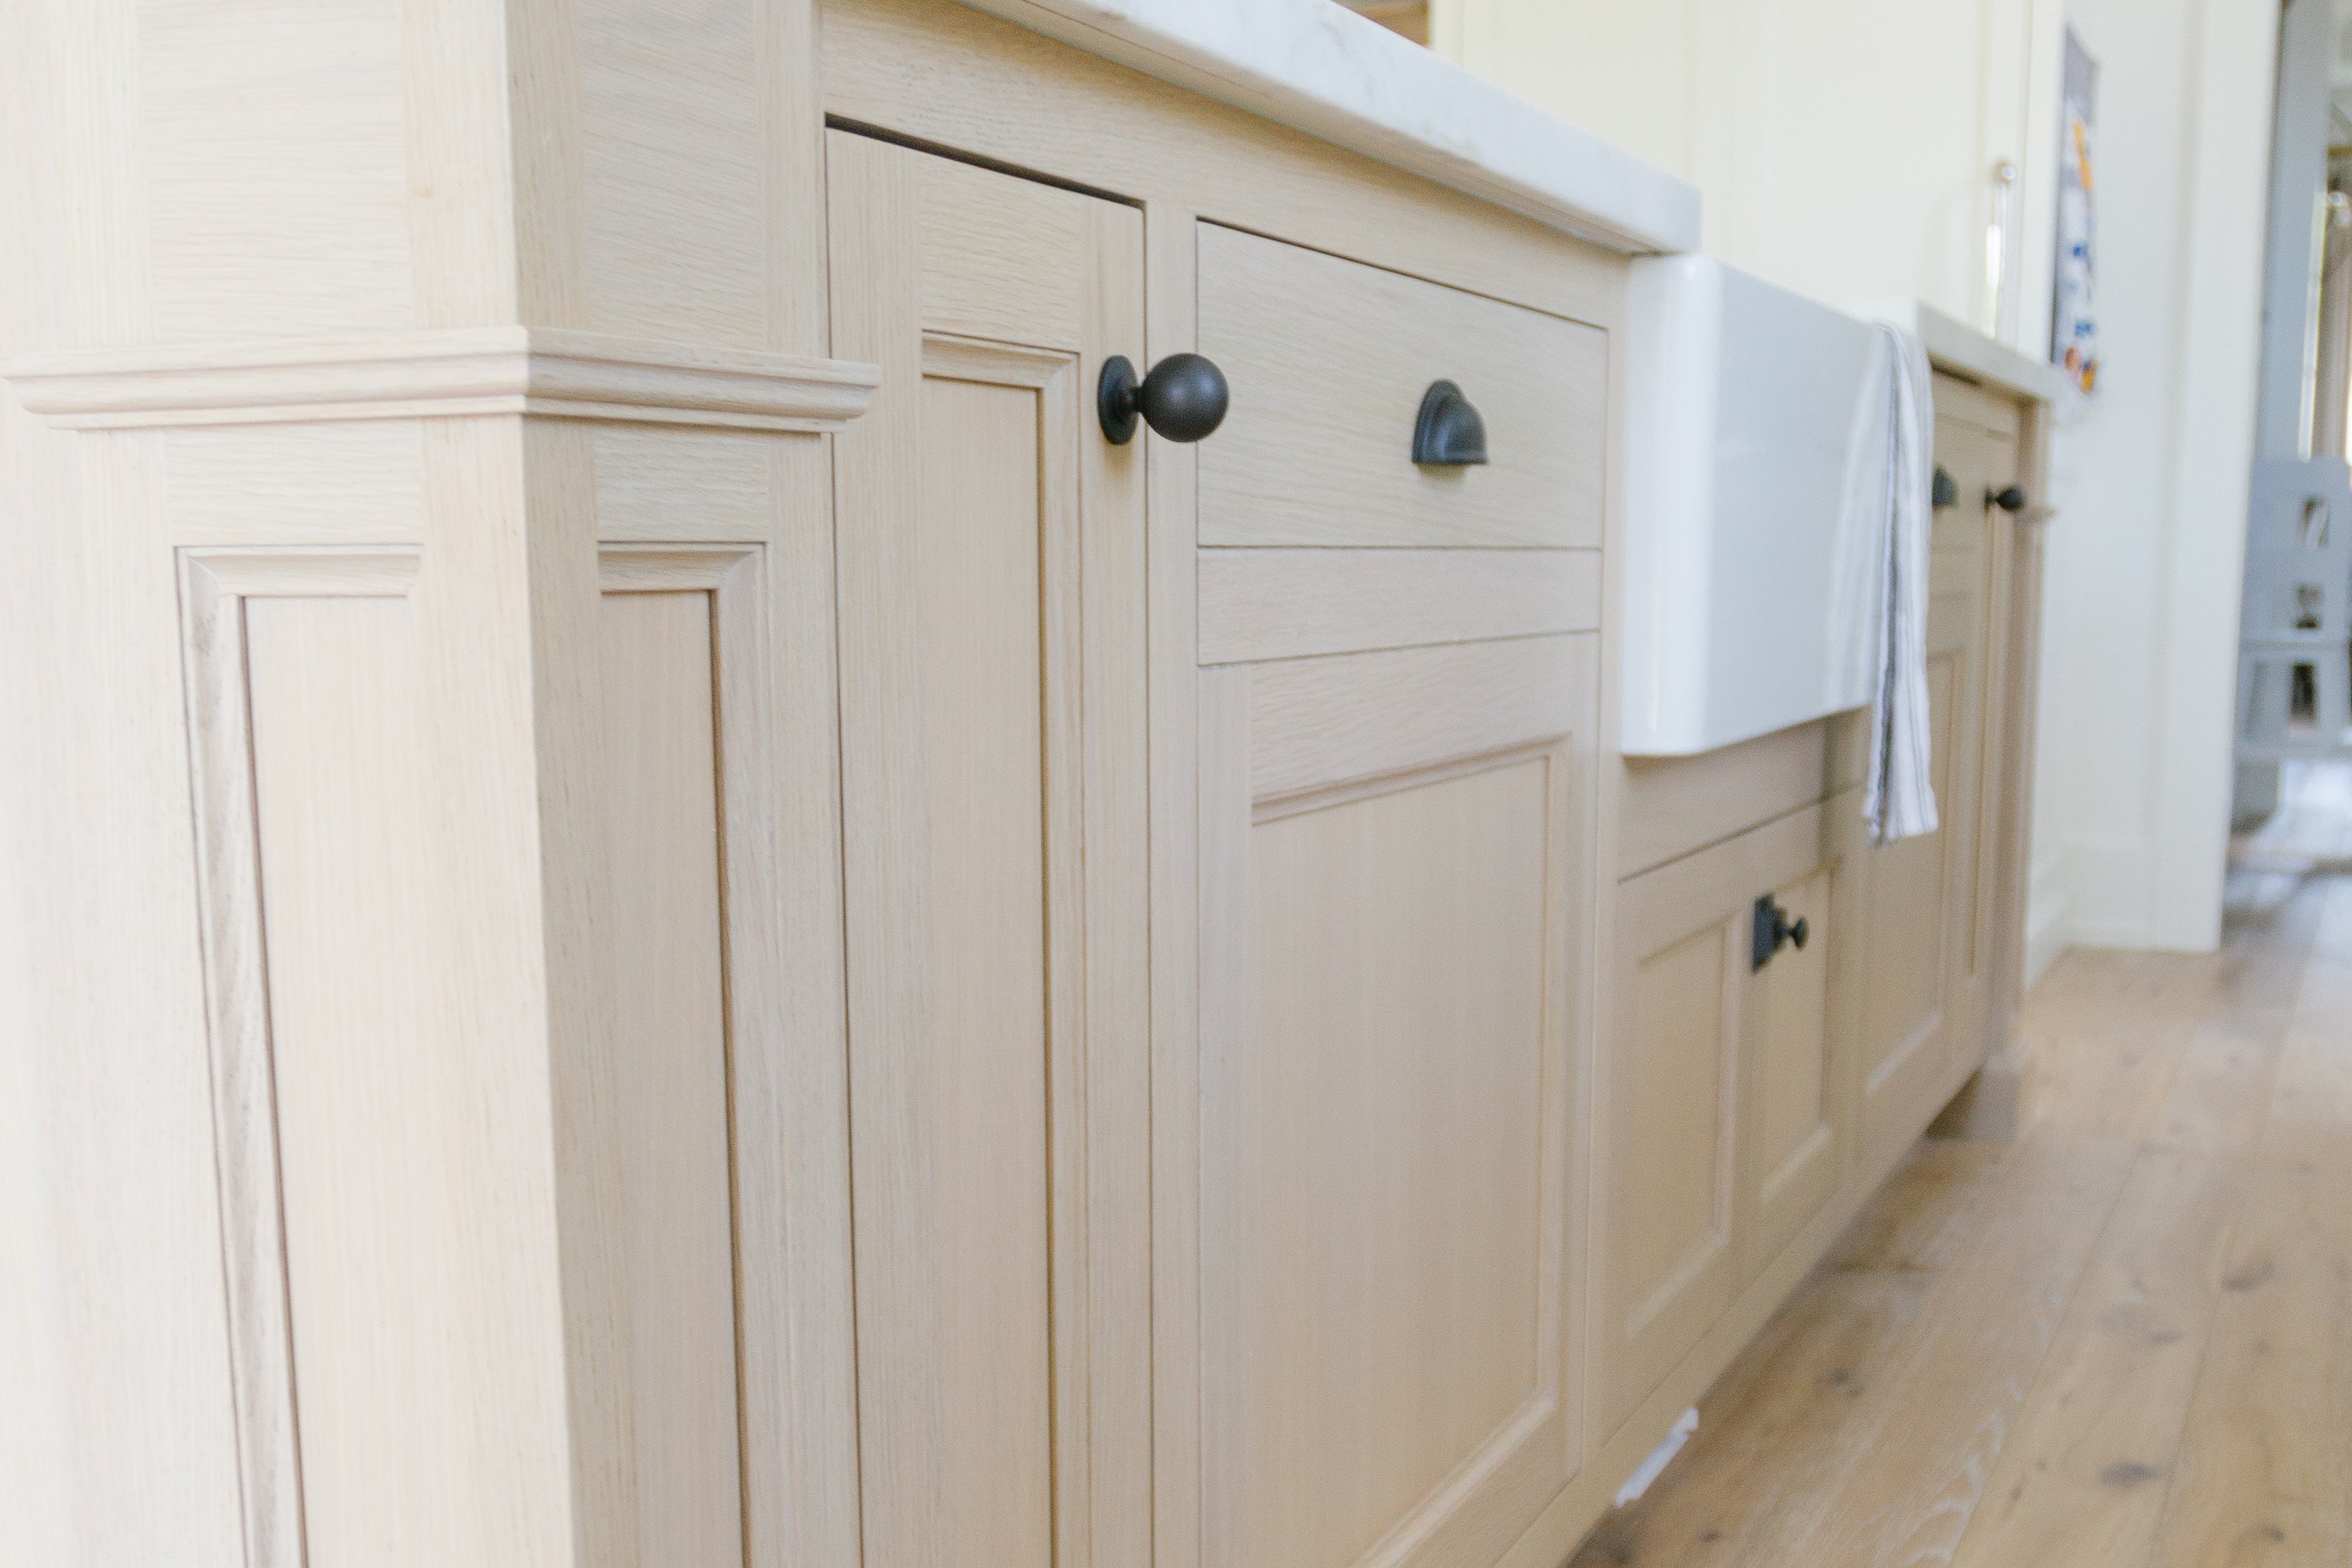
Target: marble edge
[1319, 68]
[1953, 344]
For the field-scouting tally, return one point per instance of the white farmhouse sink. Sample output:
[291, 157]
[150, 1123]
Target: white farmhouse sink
[1751, 585]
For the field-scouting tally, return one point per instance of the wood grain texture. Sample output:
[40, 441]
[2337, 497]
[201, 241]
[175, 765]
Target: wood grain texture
[1315, 722]
[330, 1105]
[1723, 1126]
[1671, 806]
[1379, 1323]
[389, 169]
[246, 1111]
[2190, 1406]
[120, 1428]
[1328, 359]
[1290, 604]
[279, 167]
[2080, 1477]
[950, 77]
[1187, 723]
[675, 155]
[1377, 830]
[995, 846]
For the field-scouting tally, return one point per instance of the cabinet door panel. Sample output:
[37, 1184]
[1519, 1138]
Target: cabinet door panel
[1903, 1013]
[1724, 1083]
[1388, 1081]
[1800, 1020]
[1669, 1067]
[988, 550]
[1926, 995]
[1676, 1079]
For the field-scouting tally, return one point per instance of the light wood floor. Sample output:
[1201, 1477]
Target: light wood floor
[2126, 1338]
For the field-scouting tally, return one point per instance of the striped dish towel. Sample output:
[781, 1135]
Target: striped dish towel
[1900, 802]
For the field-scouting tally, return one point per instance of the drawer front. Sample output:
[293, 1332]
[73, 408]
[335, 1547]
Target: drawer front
[1328, 362]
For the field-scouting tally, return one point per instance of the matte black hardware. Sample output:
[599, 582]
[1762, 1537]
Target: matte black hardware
[1448, 434]
[1183, 399]
[1773, 930]
[1944, 491]
[2011, 499]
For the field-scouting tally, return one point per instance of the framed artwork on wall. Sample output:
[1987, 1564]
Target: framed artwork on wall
[2073, 317]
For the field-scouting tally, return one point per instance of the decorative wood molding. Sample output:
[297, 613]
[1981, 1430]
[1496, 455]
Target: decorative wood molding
[538, 371]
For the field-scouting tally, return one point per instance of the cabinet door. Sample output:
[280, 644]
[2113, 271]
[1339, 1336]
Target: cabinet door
[1669, 1077]
[1723, 1126]
[992, 744]
[1395, 845]
[1799, 1021]
[1926, 993]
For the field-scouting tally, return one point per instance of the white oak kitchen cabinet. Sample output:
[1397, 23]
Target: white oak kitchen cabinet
[759, 944]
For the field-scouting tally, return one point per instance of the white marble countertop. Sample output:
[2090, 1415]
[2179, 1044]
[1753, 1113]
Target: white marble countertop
[1319, 68]
[1953, 344]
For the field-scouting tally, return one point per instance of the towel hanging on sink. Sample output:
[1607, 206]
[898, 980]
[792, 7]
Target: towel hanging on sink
[1900, 801]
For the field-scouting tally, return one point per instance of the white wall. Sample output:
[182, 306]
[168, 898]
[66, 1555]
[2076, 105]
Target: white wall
[1845, 148]
[2148, 556]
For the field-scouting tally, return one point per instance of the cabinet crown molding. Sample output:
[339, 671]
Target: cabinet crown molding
[548, 372]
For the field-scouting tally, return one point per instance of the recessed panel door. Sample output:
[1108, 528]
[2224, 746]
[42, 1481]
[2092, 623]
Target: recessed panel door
[1394, 851]
[1923, 998]
[989, 547]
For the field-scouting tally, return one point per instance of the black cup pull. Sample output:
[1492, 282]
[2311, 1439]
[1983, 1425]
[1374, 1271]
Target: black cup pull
[1944, 491]
[1448, 434]
[1183, 399]
[2011, 499]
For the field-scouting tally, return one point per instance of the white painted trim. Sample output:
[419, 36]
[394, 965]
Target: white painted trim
[1323, 69]
[406, 375]
[2047, 932]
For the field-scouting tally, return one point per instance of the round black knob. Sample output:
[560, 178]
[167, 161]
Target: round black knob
[2009, 500]
[1183, 399]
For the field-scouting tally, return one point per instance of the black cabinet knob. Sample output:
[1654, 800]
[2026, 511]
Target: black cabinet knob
[1183, 399]
[1772, 930]
[1945, 490]
[2011, 499]
[1448, 432]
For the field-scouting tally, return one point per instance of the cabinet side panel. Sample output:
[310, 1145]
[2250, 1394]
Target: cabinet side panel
[673, 156]
[277, 132]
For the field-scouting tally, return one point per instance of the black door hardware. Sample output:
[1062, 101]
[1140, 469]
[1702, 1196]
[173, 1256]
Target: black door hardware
[1944, 491]
[2011, 499]
[1448, 434]
[1774, 930]
[1182, 399]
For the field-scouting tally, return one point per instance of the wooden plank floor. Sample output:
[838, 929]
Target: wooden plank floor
[2122, 1341]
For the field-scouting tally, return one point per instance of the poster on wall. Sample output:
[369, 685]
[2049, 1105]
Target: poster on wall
[2073, 319]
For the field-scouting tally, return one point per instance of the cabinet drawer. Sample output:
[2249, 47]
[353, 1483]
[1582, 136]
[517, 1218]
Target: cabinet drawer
[1328, 361]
